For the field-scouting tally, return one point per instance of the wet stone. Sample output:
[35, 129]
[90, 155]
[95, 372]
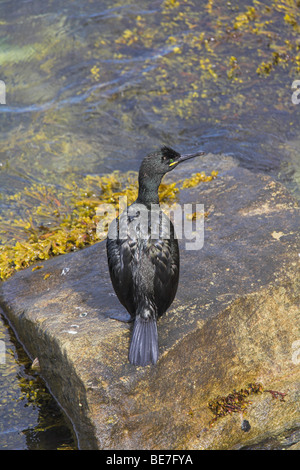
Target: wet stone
[234, 321]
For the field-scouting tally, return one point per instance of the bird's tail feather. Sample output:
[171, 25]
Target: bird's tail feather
[144, 342]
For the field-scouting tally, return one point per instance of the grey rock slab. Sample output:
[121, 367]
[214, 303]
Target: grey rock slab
[235, 320]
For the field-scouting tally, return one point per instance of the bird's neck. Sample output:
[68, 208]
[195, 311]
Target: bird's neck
[148, 189]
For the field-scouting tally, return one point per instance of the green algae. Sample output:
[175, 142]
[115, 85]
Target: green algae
[15, 54]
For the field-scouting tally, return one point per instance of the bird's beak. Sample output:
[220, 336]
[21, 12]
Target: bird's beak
[186, 156]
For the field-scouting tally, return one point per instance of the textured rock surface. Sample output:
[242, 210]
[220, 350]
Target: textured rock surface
[235, 320]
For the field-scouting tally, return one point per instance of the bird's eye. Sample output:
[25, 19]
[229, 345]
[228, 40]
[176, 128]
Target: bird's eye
[171, 160]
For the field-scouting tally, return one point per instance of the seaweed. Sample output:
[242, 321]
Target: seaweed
[58, 222]
[237, 401]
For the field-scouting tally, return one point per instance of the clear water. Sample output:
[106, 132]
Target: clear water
[92, 86]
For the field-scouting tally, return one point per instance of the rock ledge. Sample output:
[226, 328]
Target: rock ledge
[235, 320]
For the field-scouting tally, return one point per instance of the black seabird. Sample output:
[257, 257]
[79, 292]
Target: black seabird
[143, 256]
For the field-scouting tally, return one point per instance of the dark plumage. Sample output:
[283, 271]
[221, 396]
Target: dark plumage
[143, 257]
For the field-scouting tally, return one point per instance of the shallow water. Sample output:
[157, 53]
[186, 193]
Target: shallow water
[92, 86]
[29, 417]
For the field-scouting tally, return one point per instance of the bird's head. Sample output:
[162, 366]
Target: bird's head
[165, 160]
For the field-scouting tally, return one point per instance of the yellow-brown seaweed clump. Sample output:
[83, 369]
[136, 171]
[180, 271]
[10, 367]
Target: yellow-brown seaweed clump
[52, 222]
[237, 400]
[198, 178]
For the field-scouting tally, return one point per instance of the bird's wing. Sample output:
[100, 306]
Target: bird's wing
[165, 257]
[162, 254]
[120, 254]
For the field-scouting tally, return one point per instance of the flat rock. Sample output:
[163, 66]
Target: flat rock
[235, 320]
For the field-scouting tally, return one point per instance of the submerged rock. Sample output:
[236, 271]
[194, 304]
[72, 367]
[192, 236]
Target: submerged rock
[235, 320]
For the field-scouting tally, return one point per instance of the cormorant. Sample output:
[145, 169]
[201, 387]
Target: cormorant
[143, 256]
